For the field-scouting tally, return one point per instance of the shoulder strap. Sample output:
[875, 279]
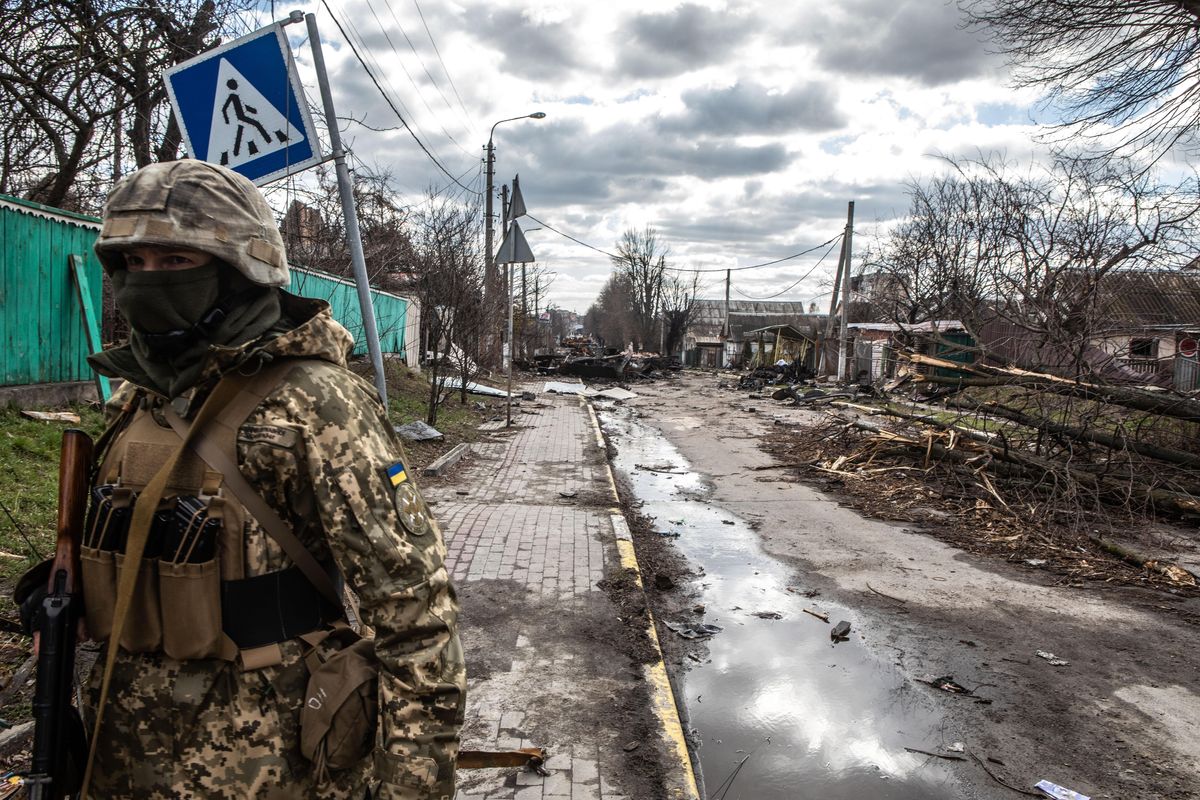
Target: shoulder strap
[223, 428]
[135, 546]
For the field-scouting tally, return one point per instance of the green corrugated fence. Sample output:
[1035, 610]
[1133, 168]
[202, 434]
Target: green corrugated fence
[40, 318]
[41, 323]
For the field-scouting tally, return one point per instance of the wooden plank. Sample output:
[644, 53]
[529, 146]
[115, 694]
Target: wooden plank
[91, 320]
[448, 460]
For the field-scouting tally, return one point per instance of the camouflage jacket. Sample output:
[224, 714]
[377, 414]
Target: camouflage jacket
[319, 449]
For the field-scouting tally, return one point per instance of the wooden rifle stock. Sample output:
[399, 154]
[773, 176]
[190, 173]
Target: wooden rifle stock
[58, 731]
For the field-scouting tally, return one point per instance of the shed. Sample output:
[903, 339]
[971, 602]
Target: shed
[44, 338]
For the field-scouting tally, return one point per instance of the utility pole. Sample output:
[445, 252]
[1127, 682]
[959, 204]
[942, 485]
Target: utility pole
[837, 283]
[346, 190]
[491, 276]
[844, 341]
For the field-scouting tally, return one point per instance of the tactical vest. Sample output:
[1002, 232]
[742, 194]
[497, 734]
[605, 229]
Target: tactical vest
[192, 598]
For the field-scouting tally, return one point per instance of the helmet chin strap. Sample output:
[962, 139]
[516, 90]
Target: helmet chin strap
[172, 343]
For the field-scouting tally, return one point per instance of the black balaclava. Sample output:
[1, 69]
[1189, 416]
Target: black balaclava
[176, 316]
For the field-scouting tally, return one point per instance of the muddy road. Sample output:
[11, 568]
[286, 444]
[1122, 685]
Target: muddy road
[753, 551]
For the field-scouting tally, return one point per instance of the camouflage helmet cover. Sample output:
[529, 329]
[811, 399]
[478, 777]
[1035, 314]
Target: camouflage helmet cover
[197, 205]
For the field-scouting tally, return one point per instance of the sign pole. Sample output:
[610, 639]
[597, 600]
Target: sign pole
[357, 260]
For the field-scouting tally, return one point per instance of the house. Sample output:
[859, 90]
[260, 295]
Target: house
[724, 334]
[876, 343]
[1145, 329]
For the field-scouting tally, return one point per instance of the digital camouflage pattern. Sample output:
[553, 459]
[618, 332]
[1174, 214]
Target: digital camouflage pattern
[318, 449]
[197, 205]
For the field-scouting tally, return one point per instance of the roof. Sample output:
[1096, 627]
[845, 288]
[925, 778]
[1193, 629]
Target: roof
[708, 317]
[786, 331]
[944, 325]
[1151, 299]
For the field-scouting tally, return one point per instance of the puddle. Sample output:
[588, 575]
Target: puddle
[816, 719]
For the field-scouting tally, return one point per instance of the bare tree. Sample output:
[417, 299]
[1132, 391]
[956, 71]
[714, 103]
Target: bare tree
[80, 81]
[641, 259]
[678, 303]
[1041, 251]
[449, 282]
[1133, 64]
[610, 318]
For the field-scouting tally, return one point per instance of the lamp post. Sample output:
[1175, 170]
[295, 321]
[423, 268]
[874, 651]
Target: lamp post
[489, 273]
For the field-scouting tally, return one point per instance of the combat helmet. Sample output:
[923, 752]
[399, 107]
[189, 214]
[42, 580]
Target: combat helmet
[197, 205]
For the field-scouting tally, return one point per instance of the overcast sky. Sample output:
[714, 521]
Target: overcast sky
[739, 130]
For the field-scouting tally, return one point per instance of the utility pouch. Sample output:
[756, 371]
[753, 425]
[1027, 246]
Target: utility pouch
[99, 569]
[341, 704]
[143, 626]
[190, 595]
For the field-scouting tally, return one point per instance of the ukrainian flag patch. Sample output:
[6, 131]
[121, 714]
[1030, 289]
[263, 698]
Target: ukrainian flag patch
[397, 474]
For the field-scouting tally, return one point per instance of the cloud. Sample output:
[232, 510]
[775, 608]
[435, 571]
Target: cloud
[686, 38]
[537, 49]
[917, 39]
[749, 108]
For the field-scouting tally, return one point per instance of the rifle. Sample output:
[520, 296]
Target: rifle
[59, 741]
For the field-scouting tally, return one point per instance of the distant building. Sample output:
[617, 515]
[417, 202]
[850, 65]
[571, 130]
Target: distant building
[720, 334]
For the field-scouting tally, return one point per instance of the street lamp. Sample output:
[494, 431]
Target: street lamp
[489, 274]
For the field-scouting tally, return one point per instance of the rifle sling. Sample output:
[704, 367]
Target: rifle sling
[135, 546]
[224, 461]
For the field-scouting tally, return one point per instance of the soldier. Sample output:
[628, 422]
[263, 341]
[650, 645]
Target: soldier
[206, 690]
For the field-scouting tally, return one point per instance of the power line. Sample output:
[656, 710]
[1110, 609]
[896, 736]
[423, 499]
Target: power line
[445, 70]
[408, 74]
[689, 269]
[388, 100]
[797, 283]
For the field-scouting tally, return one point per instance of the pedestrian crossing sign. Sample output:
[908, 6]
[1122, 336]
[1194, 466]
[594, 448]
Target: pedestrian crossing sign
[242, 106]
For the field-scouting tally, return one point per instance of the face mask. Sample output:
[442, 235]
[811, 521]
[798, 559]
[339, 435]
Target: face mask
[163, 306]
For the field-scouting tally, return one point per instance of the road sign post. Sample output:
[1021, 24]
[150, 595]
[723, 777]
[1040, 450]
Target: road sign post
[242, 106]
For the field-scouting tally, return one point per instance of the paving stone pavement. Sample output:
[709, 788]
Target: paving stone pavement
[528, 519]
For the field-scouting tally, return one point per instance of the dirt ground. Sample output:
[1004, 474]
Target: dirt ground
[1121, 720]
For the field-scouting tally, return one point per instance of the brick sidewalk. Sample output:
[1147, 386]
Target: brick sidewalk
[528, 525]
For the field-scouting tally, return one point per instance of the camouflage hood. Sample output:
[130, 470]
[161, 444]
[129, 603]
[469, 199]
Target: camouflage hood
[306, 330]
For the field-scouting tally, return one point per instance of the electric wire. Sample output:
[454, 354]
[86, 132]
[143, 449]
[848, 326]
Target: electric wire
[392, 105]
[797, 283]
[825, 243]
[387, 37]
[424, 68]
[466, 114]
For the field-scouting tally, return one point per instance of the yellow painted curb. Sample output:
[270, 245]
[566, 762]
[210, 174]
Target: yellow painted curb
[662, 697]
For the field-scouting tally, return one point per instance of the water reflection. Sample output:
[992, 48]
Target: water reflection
[819, 720]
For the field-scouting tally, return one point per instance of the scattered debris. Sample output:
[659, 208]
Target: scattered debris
[823, 617]
[568, 495]
[698, 608]
[728, 522]
[559, 387]
[946, 756]
[616, 393]
[840, 632]
[666, 468]
[694, 630]
[767, 615]
[888, 596]
[418, 431]
[1059, 792]
[52, 416]
[629, 747]
[956, 747]
[447, 460]
[528, 396]
[474, 388]
[1035, 562]
[946, 683]
[1053, 660]
[663, 582]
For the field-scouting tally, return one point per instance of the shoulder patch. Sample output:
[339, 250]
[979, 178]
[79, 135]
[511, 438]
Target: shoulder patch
[268, 434]
[396, 474]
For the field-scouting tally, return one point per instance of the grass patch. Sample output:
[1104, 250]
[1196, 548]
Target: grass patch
[408, 401]
[29, 453]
